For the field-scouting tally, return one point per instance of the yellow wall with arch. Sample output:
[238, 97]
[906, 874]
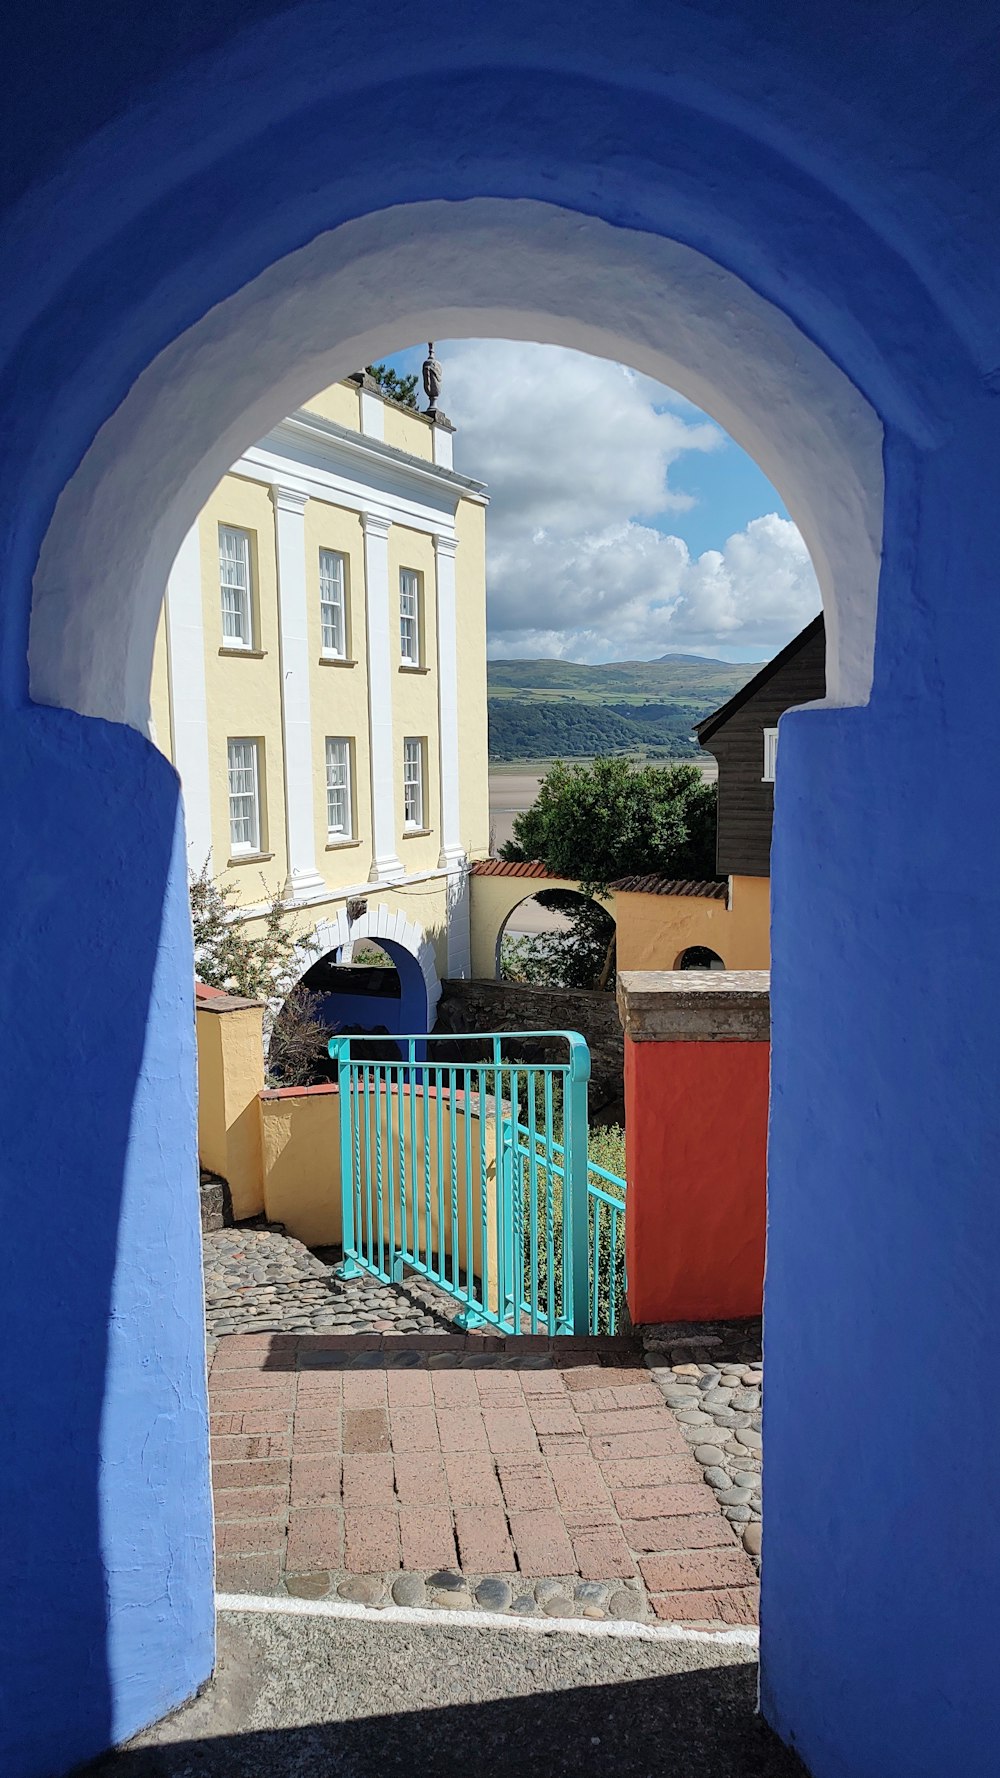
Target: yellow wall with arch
[652, 930]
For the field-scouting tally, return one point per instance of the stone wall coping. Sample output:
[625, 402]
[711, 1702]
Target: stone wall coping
[224, 1003]
[457, 1095]
[695, 1005]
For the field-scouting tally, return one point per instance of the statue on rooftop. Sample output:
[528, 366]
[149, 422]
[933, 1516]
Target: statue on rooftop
[432, 378]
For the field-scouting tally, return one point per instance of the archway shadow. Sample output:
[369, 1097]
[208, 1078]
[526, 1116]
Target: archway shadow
[696, 1724]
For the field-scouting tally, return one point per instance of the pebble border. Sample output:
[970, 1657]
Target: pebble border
[711, 1377]
[447, 1590]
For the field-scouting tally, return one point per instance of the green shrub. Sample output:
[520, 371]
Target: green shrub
[606, 1149]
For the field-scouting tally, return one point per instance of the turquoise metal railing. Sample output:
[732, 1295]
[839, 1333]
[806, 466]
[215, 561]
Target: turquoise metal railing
[605, 1226]
[454, 1170]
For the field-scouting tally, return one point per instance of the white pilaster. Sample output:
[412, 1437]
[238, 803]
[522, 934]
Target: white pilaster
[372, 414]
[452, 856]
[381, 610]
[188, 700]
[296, 711]
[441, 446]
[459, 924]
[452, 849]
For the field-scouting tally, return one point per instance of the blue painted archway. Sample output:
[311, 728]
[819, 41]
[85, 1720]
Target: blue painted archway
[838, 172]
[397, 1005]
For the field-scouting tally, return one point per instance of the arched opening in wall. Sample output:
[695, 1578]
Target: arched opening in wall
[699, 957]
[216, 399]
[693, 328]
[558, 938]
[363, 988]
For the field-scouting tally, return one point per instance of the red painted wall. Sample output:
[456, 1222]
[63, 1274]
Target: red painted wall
[696, 1160]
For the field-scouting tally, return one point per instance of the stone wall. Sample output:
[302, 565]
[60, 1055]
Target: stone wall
[486, 1006]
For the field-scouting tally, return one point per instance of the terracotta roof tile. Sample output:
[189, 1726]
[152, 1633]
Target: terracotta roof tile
[653, 885]
[635, 885]
[499, 867]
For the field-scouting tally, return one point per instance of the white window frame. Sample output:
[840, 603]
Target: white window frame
[770, 755]
[333, 604]
[244, 795]
[236, 587]
[409, 617]
[414, 760]
[339, 761]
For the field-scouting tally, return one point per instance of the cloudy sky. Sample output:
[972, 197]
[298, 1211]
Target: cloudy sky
[623, 523]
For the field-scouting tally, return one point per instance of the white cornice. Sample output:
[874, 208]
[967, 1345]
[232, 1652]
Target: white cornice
[392, 886]
[327, 431]
[328, 444]
[341, 471]
[288, 499]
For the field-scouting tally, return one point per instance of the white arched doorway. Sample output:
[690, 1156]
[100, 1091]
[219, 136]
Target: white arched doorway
[382, 926]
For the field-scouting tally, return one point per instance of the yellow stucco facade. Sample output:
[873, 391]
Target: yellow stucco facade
[653, 930]
[260, 669]
[230, 1078]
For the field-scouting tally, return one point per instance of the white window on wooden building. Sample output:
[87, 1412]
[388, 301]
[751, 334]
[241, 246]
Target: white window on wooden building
[770, 754]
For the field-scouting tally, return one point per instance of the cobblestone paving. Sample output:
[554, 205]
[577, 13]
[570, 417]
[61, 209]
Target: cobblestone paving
[527, 1476]
[260, 1280]
[711, 1375]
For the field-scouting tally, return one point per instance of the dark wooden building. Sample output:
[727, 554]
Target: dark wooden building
[743, 737]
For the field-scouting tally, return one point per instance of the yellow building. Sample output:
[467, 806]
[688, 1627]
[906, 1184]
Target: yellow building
[320, 680]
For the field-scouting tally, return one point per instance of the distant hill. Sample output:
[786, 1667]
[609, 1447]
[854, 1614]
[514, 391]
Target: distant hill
[549, 709]
[706, 659]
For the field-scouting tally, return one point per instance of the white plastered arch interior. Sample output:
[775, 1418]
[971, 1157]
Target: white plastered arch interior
[524, 270]
[379, 923]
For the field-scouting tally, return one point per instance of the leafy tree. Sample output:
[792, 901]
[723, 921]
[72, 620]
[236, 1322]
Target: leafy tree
[397, 388]
[594, 824]
[583, 957]
[597, 823]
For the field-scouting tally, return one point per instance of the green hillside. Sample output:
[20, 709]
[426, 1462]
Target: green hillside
[550, 709]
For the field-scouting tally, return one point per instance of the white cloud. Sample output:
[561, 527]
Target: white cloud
[577, 453]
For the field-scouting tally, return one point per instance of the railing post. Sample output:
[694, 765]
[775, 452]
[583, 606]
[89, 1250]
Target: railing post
[507, 1291]
[575, 1138]
[340, 1052]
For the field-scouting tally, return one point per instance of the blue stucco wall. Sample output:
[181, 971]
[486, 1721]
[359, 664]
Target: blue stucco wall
[107, 1616]
[845, 164]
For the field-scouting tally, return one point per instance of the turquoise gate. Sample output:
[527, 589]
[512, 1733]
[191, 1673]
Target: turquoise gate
[475, 1175]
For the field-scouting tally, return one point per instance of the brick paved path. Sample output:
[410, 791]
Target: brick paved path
[525, 1475]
